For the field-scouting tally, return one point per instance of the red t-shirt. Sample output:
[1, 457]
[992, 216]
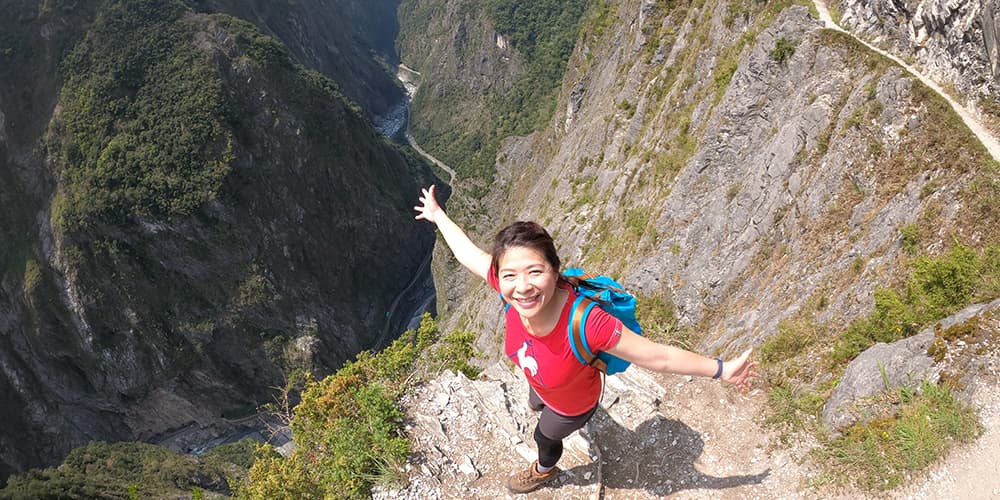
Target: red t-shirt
[565, 385]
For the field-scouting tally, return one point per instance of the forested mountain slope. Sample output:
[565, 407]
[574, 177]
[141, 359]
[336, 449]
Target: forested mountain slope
[188, 215]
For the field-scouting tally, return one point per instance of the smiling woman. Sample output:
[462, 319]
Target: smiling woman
[524, 267]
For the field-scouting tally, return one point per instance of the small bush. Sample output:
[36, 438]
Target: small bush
[658, 317]
[787, 343]
[783, 50]
[792, 407]
[454, 352]
[910, 238]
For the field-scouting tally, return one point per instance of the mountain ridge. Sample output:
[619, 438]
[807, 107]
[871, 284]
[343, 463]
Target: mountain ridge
[168, 274]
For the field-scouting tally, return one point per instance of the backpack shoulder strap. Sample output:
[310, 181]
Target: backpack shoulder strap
[577, 339]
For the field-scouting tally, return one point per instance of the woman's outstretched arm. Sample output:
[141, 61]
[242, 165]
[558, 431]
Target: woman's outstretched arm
[467, 253]
[668, 359]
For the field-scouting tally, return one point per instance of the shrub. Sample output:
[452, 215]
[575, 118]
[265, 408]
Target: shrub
[348, 428]
[791, 406]
[783, 50]
[937, 287]
[910, 238]
[455, 351]
[878, 455]
[787, 343]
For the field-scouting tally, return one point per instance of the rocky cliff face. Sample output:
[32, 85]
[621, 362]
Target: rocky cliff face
[954, 42]
[745, 165]
[741, 164]
[123, 321]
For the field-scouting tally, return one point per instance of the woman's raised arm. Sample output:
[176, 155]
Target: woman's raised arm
[467, 253]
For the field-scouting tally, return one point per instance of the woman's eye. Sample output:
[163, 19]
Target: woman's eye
[536, 272]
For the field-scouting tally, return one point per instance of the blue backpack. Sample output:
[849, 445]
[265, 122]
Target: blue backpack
[610, 296]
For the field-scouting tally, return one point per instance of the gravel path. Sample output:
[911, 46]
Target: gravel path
[989, 141]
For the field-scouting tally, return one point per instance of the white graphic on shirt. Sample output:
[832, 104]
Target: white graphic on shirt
[526, 362]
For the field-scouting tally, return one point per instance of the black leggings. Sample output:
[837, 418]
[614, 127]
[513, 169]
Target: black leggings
[552, 428]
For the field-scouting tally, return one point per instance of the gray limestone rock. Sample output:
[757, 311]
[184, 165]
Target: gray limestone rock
[954, 41]
[905, 363]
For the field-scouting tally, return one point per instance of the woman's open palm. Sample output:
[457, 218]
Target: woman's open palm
[429, 208]
[740, 371]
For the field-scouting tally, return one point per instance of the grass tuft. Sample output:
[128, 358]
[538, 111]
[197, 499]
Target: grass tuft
[880, 454]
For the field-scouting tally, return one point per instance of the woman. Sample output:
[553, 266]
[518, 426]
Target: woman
[524, 267]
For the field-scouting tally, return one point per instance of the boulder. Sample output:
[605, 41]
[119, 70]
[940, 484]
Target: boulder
[906, 363]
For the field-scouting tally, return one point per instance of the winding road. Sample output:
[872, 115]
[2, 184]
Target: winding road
[406, 74]
[988, 140]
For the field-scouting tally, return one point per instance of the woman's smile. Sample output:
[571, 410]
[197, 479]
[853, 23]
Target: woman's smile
[527, 281]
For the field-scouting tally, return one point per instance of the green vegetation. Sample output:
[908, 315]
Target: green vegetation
[937, 287]
[544, 33]
[658, 316]
[943, 336]
[880, 454]
[454, 352]
[910, 238]
[783, 50]
[252, 291]
[790, 341]
[598, 20]
[627, 107]
[729, 59]
[793, 407]
[134, 470]
[142, 129]
[348, 428]
[912, 428]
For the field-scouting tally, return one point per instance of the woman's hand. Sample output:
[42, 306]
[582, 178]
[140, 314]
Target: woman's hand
[740, 371]
[429, 208]
[467, 253]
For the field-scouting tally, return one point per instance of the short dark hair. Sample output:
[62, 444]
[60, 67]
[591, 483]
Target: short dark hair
[524, 234]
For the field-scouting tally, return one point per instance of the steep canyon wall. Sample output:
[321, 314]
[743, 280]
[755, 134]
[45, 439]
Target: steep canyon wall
[190, 212]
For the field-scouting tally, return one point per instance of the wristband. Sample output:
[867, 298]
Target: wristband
[718, 373]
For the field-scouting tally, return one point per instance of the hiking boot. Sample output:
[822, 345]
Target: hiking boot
[530, 480]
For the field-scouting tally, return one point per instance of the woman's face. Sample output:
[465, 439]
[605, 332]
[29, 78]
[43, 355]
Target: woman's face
[527, 281]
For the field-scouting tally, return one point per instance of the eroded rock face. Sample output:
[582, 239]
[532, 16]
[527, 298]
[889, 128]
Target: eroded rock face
[954, 41]
[783, 188]
[904, 363]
